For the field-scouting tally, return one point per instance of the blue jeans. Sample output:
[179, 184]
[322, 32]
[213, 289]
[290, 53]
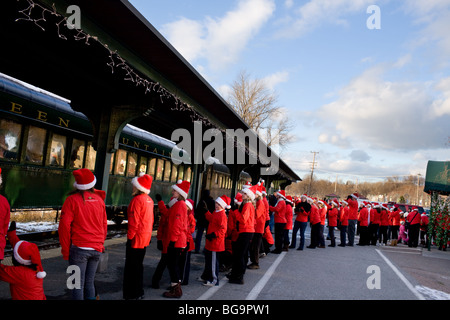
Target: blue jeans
[87, 261]
[302, 227]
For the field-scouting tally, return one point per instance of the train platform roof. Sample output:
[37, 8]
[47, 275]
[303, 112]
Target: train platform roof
[118, 59]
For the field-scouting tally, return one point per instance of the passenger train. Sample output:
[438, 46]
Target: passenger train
[42, 140]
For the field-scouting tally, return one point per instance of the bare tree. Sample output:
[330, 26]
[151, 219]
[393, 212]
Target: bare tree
[257, 105]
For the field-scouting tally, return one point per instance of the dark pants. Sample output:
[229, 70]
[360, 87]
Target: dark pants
[240, 254]
[133, 275]
[255, 248]
[383, 234]
[364, 239]
[185, 265]
[173, 264]
[413, 235]
[343, 235]
[321, 237]
[332, 238]
[351, 230]
[394, 230]
[159, 270]
[279, 232]
[315, 235]
[373, 233]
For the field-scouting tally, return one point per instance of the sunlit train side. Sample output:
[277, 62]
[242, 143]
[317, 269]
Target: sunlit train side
[42, 140]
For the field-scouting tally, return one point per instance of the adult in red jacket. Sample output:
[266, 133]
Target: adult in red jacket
[245, 226]
[394, 218]
[215, 240]
[302, 210]
[5, 214]
[343, 221]
[140, 227]
[314, 220]
[363, 224]
[332, 221]
[82, 231]
[279, 219]
[374, 224]
[352, 217]
[289, 214]
[424, 221]
[384, 224]
[260, 222]
[414, 227]
[175, 239]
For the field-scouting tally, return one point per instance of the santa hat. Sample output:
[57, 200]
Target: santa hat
[238, 198]
[281, 193]
[344, 202]
[354, 195]
[182, 187]
[26, 253]
[224, 202]
[248, 184]
[335, 202]
[250, 192]
[259, 190]
[263, 191]
[415, 209]
[289, 199]
[84, 179]
[143, 182]
[190, 204]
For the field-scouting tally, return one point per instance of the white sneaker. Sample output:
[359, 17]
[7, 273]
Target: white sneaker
[209, 284]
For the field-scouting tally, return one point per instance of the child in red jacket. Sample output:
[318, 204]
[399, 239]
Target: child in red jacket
[215, 240]
[26, 276]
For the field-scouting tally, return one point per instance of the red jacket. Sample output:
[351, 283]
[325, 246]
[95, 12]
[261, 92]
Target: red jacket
[323, 215]
[344, 216]
[260, 216]
[140, 221]
[314, 216]
[384, 218]
[246, 218]
[268, 236]
[23, 283]
[395, 218]
[332, 217]
[5, 214]
[302, 216]
[266, 206]
[177, 225]
[289, 216]
[375, 217]
[353, 209]
[280, 211]
[363, 217]
[413, 217]
[191, 229]
[232, 232]
[217, 224]
[162, 227]
[83, 223]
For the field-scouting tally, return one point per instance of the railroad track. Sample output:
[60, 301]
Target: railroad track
[50, 240]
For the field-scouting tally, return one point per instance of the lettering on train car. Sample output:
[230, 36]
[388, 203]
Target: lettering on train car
[144, 147]
[40, 115]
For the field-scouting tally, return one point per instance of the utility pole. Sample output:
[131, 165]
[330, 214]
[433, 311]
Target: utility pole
[313, 166]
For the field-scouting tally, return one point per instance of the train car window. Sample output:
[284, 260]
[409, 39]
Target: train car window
[132, 164]
[159, 169]
[216, 178]
[180, 173]
[35, 145]
[167, 167]
[111, 166]
[10, 133]
[57, 150]
[187, 174]
[143, 165]
[121, 162]
[77, 154]
[152, 167]
[90, 157]
[174, 175]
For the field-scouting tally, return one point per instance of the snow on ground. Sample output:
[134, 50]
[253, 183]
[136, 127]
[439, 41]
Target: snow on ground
[27, 227]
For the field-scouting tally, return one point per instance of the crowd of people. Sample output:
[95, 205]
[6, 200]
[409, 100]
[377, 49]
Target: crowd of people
[237, 234]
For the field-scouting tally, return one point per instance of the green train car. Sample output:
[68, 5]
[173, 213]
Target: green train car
[42, 140]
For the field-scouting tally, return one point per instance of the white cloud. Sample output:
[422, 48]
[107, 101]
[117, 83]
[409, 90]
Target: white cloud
[274, 79]
[371, 112]
[220, 40]
[315, 13]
